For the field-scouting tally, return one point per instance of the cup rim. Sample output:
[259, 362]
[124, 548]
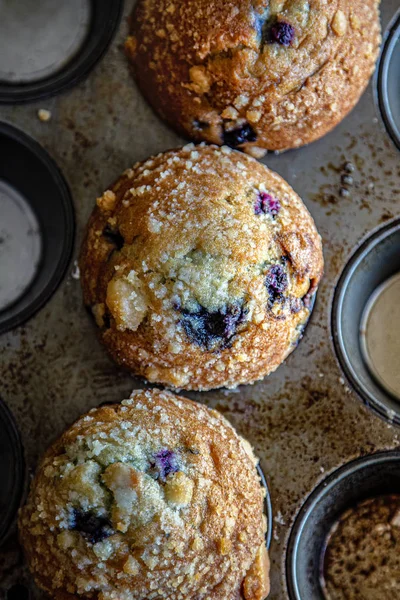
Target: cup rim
[19, 469]
[323, 488]
[100, 33]
[358, 255]
[11, 317]
[267, 507]
[391, 38]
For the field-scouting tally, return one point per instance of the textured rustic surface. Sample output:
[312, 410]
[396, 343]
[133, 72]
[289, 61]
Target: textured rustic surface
[302, 420]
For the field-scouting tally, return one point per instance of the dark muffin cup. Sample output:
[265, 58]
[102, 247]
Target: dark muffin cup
[375, 262]
[12, 471]
[367, 477]
[37, 229]
[267, 507]
[57, 46]
[388, 80]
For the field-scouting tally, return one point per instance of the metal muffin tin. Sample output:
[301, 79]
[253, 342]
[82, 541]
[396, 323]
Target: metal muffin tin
[358, 480]
[37, 227]
[50, 48]
[374, 263]
[305, 420]
[12, 471]
[389, 80]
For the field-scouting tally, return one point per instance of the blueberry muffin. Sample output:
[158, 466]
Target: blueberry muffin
[199, 265]
[155, 498]
[253, 74]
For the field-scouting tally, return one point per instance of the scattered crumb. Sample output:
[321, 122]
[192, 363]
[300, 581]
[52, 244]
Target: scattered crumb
[76, 273]
[44, 115]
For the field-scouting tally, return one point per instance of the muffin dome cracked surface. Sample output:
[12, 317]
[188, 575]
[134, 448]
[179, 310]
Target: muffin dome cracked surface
[155, 498]
[253, 74]
[199, 266]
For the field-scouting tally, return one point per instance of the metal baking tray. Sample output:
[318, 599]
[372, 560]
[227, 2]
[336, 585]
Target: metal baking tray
[305, 420]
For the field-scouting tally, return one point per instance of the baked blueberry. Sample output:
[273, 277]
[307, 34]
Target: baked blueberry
[213, 330]
[113, 236]
[281, 32]
[95, 528]
[165, 462]
[240, 135]
[266, 204]
[276, 283]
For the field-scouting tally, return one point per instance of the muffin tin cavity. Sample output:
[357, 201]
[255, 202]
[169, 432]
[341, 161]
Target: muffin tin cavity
[373, 264]
[369, 477]
[362, 551]
[38, 43]
[12, 470]
[20, 243]
[18, 592]
[47, 47]
[267, 507]
[380, 334]
[388, 79]
[37, 228]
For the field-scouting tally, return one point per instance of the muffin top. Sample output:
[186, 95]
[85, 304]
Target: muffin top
[198, 265]
[155, 498]
[254, 74]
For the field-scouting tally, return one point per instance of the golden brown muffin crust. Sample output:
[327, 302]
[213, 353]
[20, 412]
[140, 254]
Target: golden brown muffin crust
[198, 265]
[155, 498]
[277, 73]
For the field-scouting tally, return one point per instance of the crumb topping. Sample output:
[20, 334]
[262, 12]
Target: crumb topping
[175, 268]
[155, 498]
[254, 74]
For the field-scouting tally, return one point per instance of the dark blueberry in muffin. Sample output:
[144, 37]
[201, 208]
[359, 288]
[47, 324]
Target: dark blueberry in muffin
[266, 204]
[106, 321]
[200, 125]
[212, 330]
[296, 304]
[282, 33]
[114, 237]
[94, 528]
[276, 283]
[241, 135]
[165, 462]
